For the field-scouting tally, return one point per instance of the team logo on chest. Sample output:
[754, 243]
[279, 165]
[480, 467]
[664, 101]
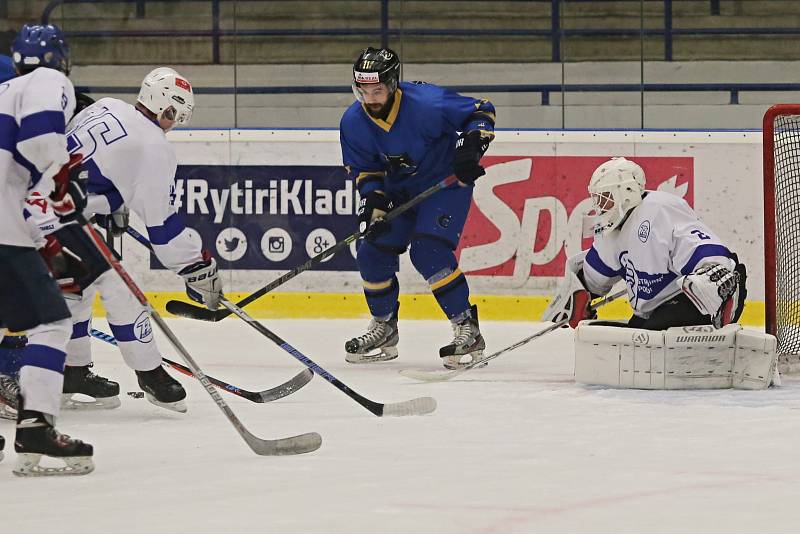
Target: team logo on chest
[402, 164]
[644, 231]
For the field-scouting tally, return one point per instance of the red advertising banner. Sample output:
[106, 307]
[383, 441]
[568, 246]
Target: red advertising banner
[528, 212]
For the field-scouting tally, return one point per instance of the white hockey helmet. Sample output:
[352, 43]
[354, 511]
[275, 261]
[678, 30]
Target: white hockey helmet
[616, 188]
[163, 88]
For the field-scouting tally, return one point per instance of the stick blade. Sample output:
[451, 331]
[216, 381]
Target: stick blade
[430, 376]
[419, 406]
[287, 388]
[190, 311]
[301, 444]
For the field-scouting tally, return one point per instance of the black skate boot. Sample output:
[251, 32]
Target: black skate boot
[2, 446]
[36, 437]
[467, 345]
[162, 390]
[78, 379]
[379, 344]
[9, 390]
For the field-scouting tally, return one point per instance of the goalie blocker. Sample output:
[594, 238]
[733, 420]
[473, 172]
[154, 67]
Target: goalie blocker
[688, 357]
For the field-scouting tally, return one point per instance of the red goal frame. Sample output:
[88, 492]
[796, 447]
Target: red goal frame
[768, 142]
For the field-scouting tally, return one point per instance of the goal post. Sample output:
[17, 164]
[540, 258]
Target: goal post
[781, 145]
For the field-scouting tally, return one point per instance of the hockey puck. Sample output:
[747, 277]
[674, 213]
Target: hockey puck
[136, 394]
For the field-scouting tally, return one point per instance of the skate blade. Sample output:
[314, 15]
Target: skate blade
[452, 363]
[179, 406]
[28, 466]
[70, 402]
[383, 355]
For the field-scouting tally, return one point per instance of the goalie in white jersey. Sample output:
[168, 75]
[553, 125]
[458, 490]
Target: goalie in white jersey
[677, 270]
[686, 288]
[130, 164]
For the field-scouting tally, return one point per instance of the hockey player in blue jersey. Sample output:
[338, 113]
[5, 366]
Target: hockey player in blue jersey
[34, 110]
[397, 140]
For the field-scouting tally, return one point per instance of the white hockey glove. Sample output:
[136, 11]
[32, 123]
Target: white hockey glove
[711, 289]
[572, 302]
[202, 281]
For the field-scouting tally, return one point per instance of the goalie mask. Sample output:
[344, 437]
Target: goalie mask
[376, 65]
[616, 187]
[167, 94]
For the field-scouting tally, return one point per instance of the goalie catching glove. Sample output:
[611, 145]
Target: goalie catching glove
[202, 281]
[711, 289]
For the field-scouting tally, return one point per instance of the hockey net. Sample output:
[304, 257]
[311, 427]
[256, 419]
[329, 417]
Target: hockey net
[782, 231]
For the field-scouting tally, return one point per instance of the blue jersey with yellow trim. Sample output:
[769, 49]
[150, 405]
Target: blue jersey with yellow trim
[413, 148]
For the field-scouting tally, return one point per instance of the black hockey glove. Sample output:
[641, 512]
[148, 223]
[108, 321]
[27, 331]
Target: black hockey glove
[467, 160]
[116, 223]
[69, 196]
[73, 258]
[371, 209]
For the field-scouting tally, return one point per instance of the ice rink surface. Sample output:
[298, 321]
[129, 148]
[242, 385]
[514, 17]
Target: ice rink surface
[517, 447]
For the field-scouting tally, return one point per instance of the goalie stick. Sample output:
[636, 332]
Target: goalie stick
[267, 395]
[263, 447]
[185, 309]
[418, 406]
[441, 376]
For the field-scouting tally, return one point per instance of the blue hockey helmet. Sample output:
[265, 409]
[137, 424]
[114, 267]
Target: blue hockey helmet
[40, 46]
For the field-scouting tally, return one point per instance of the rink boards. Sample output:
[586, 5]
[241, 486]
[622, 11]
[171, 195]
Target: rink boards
[264, 201]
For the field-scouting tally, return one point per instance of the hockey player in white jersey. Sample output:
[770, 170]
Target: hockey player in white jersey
[130, 164]
[34, 109]
[677, 270]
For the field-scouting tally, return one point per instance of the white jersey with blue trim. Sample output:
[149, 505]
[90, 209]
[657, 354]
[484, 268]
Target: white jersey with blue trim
[661, 240]
[131, 162]
[34, 110]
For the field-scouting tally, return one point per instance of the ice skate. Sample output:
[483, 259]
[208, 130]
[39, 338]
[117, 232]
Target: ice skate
[379, 344]
[9, 390]
[36, 437]
[162, 390]
[2, 446]
[80, 380]
[467, 345]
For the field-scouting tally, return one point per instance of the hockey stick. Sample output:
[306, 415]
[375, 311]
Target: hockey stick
[184, 309]
[287, 388]
[268, 395]
[418, 406]
[441, 376]
[292, 445]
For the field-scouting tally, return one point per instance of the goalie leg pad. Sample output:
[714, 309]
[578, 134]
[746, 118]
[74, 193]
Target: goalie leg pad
[756, 363]
[692, 357]
[618, 356]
